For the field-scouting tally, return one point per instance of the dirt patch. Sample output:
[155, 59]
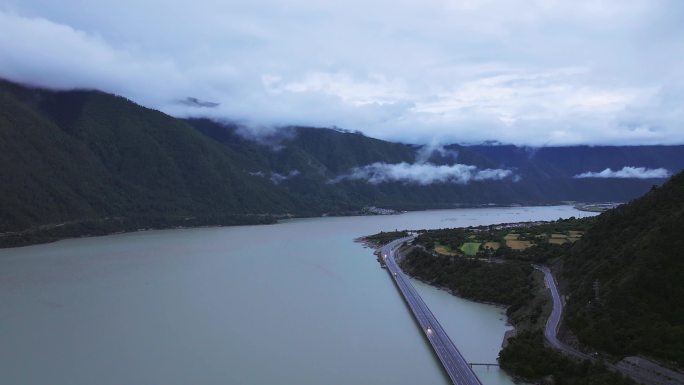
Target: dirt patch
[446, 250]
[518, 245]
[492, 245]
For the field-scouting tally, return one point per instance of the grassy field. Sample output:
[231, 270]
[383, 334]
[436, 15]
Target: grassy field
[503, 243]
[470, 248]
[574, 235]
[558, 239]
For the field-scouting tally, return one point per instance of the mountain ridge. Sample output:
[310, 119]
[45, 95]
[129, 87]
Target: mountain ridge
[86, 156]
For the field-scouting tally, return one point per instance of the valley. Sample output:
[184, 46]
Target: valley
[91, 163]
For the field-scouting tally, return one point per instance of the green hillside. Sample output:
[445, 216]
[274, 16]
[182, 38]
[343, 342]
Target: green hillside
[624, 279]
[87, 162]
[624, 282]
[635, 254]
[83, 156]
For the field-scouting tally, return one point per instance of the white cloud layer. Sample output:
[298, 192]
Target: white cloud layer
[628, 173]
[423, 173]
[530, 72]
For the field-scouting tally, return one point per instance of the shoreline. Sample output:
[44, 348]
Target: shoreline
[507, 334]
[512, 332]
[48, 233]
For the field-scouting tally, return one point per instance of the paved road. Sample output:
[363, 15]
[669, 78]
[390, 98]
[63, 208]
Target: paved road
[645, 372]
[453, 362]
[553, 323]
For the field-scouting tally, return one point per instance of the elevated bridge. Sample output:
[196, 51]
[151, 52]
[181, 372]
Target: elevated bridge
[456, 367]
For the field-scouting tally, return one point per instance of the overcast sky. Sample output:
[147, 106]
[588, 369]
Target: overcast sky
[535, 72]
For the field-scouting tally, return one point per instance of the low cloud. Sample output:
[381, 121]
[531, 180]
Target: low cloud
[278, 178]
[427, 151]
[275, 177]
[423, 173]
[194, 102]
[628, 173]
[552, 72]
[270, 136]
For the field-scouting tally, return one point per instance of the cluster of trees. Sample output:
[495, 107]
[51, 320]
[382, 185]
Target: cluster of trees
[110, 225]
[526, 356]
[385, 237]
[541, 252]
[452, 238]
[504, 283]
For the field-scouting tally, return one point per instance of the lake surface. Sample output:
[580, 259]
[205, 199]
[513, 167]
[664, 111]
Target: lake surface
[294, 303]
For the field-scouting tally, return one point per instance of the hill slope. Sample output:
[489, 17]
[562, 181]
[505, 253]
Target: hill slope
[545, 175]
[635, 255]
[84, 155]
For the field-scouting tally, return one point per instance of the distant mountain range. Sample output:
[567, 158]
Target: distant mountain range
[86, 160]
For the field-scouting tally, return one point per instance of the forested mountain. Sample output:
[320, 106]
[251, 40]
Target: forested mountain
[566, 162]
[86, 157]
[543, 175]
[626, 278]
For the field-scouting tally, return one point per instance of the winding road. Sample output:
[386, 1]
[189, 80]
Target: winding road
[553, 323]
[638, 369]
[456, 367]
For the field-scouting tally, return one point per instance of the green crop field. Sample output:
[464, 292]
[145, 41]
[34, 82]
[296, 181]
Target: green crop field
[470, 248]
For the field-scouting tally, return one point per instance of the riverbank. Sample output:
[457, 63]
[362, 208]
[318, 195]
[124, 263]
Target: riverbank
[597, 207]
[509, 321]
[524, 354]
[117, 225]
[93, 227]
[401, 254]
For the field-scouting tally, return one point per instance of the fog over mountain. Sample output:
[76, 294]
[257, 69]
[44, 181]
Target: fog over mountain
[423, 173]
[543, 72]
[101, 164]
[628, 172]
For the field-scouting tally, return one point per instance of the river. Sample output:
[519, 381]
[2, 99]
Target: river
[293, 303]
